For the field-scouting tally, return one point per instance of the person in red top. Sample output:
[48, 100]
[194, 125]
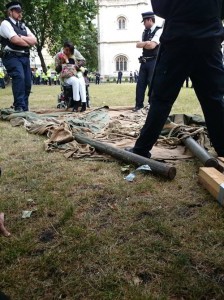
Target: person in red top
[71, 56]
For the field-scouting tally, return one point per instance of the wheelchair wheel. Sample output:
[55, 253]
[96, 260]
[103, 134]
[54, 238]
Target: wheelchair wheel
[62, 104]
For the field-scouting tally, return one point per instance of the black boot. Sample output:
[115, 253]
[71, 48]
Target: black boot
[83, 108]
[87, 102]
[76, 106]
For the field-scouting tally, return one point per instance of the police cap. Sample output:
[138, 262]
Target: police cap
[148, 14]
[14, 5]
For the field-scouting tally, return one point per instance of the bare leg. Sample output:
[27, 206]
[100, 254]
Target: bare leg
[3, 230]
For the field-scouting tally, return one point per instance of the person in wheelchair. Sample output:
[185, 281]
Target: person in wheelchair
[69, 63]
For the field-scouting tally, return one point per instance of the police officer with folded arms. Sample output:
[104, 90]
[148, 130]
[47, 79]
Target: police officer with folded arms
[16, 40]
[150, 45]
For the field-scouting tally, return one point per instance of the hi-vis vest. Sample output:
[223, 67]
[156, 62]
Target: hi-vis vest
[2, 75]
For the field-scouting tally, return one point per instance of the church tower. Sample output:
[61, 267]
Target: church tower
[119, 29]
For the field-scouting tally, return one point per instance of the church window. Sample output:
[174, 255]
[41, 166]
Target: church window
[121, 63]
[121, 23]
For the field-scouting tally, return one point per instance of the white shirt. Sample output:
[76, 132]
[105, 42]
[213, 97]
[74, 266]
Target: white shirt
[7, 32]
[157, 34]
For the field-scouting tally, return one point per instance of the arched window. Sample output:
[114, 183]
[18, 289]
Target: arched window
[121, 63]
[121, 23]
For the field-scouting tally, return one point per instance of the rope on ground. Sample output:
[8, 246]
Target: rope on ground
[180, 132]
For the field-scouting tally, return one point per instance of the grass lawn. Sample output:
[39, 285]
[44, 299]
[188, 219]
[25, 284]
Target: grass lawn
[93, 234]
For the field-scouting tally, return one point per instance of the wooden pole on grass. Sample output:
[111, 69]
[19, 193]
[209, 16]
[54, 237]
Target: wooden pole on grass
[202, 154]
[128, 157]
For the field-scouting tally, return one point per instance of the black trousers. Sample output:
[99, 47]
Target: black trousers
[119, 79]
[144, 79]
[18, 68]
[201, 60]
[2, 83]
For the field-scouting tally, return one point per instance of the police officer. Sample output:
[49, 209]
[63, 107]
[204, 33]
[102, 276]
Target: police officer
[16, 41]
[190, 46]
[119, 76]
[136, 76]
[131, 77]
[37, 77]
[150, 44]
[97, 81]
[49, 75]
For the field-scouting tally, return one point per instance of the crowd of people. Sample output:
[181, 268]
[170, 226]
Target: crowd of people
[39, 77]
[189, 46]
[17, 40]
[160, 49]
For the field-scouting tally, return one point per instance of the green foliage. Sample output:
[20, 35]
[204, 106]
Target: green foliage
[54, 21]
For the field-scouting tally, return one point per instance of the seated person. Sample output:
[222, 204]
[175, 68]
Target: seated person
[71, 56]
[86, 78]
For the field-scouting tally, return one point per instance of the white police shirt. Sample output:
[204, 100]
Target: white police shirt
[7, 32]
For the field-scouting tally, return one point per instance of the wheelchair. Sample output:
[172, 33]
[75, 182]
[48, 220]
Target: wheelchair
[65, 99]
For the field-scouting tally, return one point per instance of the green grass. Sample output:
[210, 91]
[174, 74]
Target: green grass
[111, 94]
[96, 236]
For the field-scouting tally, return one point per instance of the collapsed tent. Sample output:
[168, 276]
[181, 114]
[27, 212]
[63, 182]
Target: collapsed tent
[116, 126]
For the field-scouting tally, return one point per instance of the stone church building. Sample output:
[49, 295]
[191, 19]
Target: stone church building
[119, 29]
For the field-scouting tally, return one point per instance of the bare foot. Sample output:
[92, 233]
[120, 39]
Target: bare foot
[3, 230]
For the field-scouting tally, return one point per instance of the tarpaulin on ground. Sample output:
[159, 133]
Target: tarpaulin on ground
[118, 126]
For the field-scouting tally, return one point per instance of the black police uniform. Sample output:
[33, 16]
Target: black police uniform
[97, 78]
[190, 46]
[147, 61]
[16, 61]
[18, 67]
[119, 77]
[19, 29]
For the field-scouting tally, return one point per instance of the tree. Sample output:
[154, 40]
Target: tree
[54, 21]
[81, 30]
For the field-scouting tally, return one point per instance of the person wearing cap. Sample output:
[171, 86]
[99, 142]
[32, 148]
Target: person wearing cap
[16, 40]
[190, 46]
[150, 45]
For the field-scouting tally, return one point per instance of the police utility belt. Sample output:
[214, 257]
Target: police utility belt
[143, 59]
[7, 53]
